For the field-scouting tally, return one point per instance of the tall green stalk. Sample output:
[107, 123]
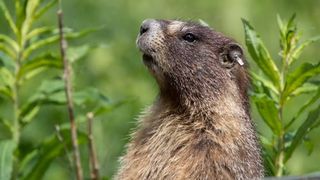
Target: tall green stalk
[275, 86]
[279, 160]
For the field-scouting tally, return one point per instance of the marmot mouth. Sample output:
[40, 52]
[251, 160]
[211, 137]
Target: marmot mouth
[148, 59]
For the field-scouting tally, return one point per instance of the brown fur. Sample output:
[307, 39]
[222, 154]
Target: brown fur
[199, 127]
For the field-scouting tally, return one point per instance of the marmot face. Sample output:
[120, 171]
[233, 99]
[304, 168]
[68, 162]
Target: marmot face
[189, 59]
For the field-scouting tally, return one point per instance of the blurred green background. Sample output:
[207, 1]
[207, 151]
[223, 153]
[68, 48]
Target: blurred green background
[116, 68]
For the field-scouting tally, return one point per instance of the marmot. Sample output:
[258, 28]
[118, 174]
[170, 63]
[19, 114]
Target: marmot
[199, 127]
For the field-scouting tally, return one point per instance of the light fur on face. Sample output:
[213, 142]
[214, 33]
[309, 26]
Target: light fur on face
[174, 26]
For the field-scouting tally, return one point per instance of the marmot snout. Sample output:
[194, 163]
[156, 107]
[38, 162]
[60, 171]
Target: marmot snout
[199, 127]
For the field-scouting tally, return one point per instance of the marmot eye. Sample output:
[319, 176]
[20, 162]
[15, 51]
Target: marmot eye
[189, 37]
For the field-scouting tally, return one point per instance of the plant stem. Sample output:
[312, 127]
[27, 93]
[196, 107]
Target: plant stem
[279, 161]
[16, 119]
[16, 123]
[280, 154]
[94, 165]
[68, 92]
[16, 109]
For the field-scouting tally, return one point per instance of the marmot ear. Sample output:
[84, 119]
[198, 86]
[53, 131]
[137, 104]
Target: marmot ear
[231, 55]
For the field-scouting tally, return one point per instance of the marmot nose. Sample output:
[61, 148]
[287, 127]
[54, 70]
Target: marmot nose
[143, 29]
[146, 25]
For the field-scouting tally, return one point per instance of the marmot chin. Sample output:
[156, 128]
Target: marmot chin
[199, 128]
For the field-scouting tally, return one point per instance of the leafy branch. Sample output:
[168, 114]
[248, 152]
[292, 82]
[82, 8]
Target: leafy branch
[276, 86]
[25, 55]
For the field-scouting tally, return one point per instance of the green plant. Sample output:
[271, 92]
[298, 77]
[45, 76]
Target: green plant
[25, 54]
[277, 85]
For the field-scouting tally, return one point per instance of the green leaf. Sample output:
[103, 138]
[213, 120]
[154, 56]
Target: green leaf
[10, 42]
[108, 107]
[75, 53]
[58, 98]
[44, 42]
[260, 54]
[29, 111]
[91, 99]
[268, 153]
[6, 61]
[6, 77]
[73, 35]
[283, 31]
[6, 82]
[281, 26]
[291, 23]
[8, 51]
[30, 9]
[5, 91]
[27, 162]
[32, 5]
[45, 8]
[39, 64]
[299, 76]
[39, 44]
[308, 145]
[50, 149]
[268, 111]
[45, 32]
[268, 163]
[39, 31]
[5, 129]
[88, 95]
[49, 92]
[28, 117]
[305, 89]
[17, 5]
[8, 17]
[51, 86]
[259, 88]
[264, 81]
[291, 36]
[316, 125]
[304, 107]
[298, 50]
[20, 12]
[7, 148]
[313, 117]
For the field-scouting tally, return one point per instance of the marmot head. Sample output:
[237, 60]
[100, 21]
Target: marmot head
[191, 62]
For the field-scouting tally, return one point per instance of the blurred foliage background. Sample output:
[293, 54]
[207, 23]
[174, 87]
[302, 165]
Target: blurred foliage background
[116, 68]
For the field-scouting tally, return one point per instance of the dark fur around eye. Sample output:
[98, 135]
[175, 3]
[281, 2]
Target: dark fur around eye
[189, 37]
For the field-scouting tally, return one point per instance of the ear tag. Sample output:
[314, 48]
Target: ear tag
[239, 60]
